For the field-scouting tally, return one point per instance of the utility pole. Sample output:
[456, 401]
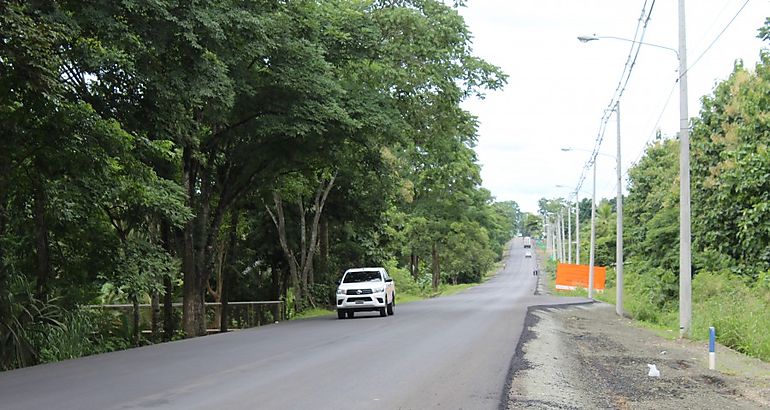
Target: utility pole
[685, 273]
[561, 235]
[619, 239]
[554, 225]
[559, 243]
[593, 238]
[577, 227]
[569, 233]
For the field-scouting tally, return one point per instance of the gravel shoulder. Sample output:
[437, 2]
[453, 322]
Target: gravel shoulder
[585, 356]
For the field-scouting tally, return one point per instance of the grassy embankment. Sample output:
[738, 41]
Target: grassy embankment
[739, 310]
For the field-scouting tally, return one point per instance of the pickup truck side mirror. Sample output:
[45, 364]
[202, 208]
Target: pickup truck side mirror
[339, 281]
[389, 280]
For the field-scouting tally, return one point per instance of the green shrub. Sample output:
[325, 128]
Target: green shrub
[323, 295]
[405, 283]
[651, 296]
[740, 312]
[24, 319]
[737, 308]
[76, 337]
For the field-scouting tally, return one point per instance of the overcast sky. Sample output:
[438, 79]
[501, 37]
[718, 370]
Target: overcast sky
[559, 88]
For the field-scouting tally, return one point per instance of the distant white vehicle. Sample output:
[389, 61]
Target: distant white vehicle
[528, 254]
[365, 289]
[527, 242]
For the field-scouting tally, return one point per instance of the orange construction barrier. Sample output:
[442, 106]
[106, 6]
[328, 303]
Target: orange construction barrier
[570, 276]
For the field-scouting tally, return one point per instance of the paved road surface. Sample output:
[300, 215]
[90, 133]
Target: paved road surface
[450, 352]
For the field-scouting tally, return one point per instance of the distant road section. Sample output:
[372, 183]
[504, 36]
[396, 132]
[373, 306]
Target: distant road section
[450, 352]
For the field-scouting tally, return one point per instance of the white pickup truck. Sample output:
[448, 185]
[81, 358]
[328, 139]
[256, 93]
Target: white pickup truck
[365, 289]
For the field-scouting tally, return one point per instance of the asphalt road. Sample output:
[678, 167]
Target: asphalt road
[451, 352]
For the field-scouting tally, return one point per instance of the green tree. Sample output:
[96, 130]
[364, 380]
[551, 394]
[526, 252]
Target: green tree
[730, 168]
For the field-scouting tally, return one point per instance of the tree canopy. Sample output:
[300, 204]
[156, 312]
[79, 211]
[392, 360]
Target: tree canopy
[225, 150]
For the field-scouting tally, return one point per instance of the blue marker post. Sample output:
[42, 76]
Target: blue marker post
[712, 352]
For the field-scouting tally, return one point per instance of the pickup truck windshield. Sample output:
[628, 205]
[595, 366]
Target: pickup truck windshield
[365, 276]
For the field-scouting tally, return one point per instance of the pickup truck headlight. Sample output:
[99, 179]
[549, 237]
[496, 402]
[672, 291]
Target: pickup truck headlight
[340, 291]
[379, 289]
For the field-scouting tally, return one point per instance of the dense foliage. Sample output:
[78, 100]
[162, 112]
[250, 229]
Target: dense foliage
[226, 150]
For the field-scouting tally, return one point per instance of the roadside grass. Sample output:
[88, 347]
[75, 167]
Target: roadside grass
[402, 298]
[739, 310]
[310, 313]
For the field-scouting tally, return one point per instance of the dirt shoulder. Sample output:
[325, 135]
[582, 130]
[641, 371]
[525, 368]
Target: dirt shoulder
[585, 356]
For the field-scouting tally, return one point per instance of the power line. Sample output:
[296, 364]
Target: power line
[717, 37]
[654, 130]
[605, 117]
[633, 54]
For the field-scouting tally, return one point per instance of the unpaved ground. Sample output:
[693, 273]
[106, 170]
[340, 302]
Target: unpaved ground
[586, 357]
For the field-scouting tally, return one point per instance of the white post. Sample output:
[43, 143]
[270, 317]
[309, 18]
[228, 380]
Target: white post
[569, 234]
[558, 237]
[577, 228]
[561, 236]
[619, 239]
[685, 273]
[593, 238]
[554, 239]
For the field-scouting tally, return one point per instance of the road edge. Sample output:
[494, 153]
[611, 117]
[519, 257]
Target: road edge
[518, 362]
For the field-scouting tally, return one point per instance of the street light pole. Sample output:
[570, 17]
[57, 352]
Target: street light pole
[577, 227]
[561, 225]
[553, 239]
[569, 234]
[593, 238]
[685, 274]
[561, 237]
[619, 237]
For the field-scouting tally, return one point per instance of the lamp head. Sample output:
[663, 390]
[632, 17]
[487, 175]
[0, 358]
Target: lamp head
[585, 39]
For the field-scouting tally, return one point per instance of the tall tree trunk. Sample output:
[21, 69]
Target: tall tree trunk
[168, 285]
[216, 294]
[155, 302]
[301, 269]
[3, 273]
[41, 242]
[277, 285]
[436, 268]
[279, 220]
[412, 264]
[191, 297]
[168, 309]
[228, 275]
[302, 237]
[324, 246]
[137, 331]
[318, 205]
[192, 301]
[204, 249]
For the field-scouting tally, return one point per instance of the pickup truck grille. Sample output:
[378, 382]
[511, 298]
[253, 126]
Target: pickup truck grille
[365, 299]
[363, 291]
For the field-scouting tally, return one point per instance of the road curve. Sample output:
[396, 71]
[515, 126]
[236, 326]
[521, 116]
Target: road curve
[450, 352]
